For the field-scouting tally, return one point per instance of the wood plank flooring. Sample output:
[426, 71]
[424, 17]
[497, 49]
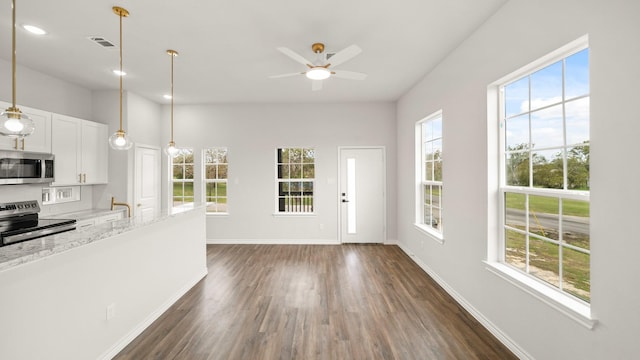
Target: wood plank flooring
[314, 302]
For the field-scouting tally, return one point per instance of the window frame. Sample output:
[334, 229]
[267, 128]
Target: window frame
[566, 303]
[278, 181]
[184, 181]
[206, 181]
[422, 182]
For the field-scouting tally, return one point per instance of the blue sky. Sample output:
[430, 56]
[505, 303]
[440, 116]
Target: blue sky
[546, 89]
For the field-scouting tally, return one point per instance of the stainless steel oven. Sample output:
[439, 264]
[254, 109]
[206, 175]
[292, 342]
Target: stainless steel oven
[19, 221]
[23, 167]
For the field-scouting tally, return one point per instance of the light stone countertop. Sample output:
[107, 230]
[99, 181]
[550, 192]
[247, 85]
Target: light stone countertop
[32, 250]
[86, 214]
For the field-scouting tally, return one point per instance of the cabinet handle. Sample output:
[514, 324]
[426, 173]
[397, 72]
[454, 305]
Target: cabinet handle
[16, 147]
[80, 178]
[22, 143]
[84, 178]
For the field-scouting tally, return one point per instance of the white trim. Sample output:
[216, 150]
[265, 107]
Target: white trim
[217, 214]
[426, 230]
[420, 182]
[294, 214]
[569, 49]
[565, 304]
[494, 330]
[142, 326]
[274, 241]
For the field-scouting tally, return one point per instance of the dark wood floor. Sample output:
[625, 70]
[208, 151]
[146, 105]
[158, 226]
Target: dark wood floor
[314, 302]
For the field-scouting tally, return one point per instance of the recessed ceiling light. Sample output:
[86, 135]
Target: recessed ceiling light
[119, 73]
[34, 29]
[166, 96]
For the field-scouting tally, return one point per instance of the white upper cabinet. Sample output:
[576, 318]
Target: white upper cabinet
[95, 152]
[81, 152]
[39, 141]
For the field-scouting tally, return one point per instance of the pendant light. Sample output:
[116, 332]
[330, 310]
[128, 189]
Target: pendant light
[119, 140]
[171, 149]
[13, 122]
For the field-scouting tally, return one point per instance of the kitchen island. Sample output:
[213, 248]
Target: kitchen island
[85, 294]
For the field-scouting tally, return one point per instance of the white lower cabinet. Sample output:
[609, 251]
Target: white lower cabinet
[85, 224]
[97, 220]
[39, 141]
[81, 151]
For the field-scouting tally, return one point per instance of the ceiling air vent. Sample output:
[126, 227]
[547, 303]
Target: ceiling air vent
[102, 42]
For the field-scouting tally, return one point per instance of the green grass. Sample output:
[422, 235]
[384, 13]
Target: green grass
[545, 256]
[549, 205]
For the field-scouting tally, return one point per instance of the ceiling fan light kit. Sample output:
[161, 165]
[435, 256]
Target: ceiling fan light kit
[318, 73]
[319, 70]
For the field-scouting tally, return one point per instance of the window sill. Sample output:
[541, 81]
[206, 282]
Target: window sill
[286, 214]
[565, 304]
[436, 236]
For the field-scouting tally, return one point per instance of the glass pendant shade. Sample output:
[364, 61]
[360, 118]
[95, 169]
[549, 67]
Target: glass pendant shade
[171, 150]
[15, 124]
[120, 141]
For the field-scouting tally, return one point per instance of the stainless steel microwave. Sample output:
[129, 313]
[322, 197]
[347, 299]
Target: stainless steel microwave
[23, 167]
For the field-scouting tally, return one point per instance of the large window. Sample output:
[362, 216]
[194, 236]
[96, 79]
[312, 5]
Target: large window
[295, 180]
[182, 178]
[215, 179]
[545, 173]
[429, 197]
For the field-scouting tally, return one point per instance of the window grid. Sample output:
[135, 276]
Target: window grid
[545, 174]
[182, 178]
[431, 169]
[215, 172]
[295, 180]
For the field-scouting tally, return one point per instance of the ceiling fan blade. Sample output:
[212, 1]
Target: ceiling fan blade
[344, 55]
[294, 55]
[285, 75]
[352, 75]
[316, 85]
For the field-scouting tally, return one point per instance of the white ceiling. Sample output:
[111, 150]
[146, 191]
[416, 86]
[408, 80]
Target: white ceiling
[228, 47]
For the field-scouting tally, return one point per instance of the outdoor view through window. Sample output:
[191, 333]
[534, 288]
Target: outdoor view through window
[545, 174]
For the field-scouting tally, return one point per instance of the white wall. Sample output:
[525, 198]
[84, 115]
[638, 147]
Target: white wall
[41, 91]
[520, 32]
[252, 132]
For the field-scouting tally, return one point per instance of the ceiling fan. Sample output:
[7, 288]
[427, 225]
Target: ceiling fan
[322, 67]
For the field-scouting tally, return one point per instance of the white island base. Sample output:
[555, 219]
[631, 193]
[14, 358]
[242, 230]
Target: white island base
[91, 300]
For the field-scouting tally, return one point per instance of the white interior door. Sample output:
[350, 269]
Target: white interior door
[147, 181]
[362, 195]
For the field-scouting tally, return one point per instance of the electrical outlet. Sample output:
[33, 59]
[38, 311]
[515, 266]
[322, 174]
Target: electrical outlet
[111, 311]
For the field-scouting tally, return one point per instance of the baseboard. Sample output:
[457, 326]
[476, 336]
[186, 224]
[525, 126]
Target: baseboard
[494, 330]
[275, 241]
[122, 343]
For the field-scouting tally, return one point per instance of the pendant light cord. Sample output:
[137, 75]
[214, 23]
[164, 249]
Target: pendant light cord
[121, 74]
[172, 56]
[13, 53]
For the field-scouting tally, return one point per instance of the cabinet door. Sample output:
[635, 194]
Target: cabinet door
[39, 141]
[65, 144]
[94, 159]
